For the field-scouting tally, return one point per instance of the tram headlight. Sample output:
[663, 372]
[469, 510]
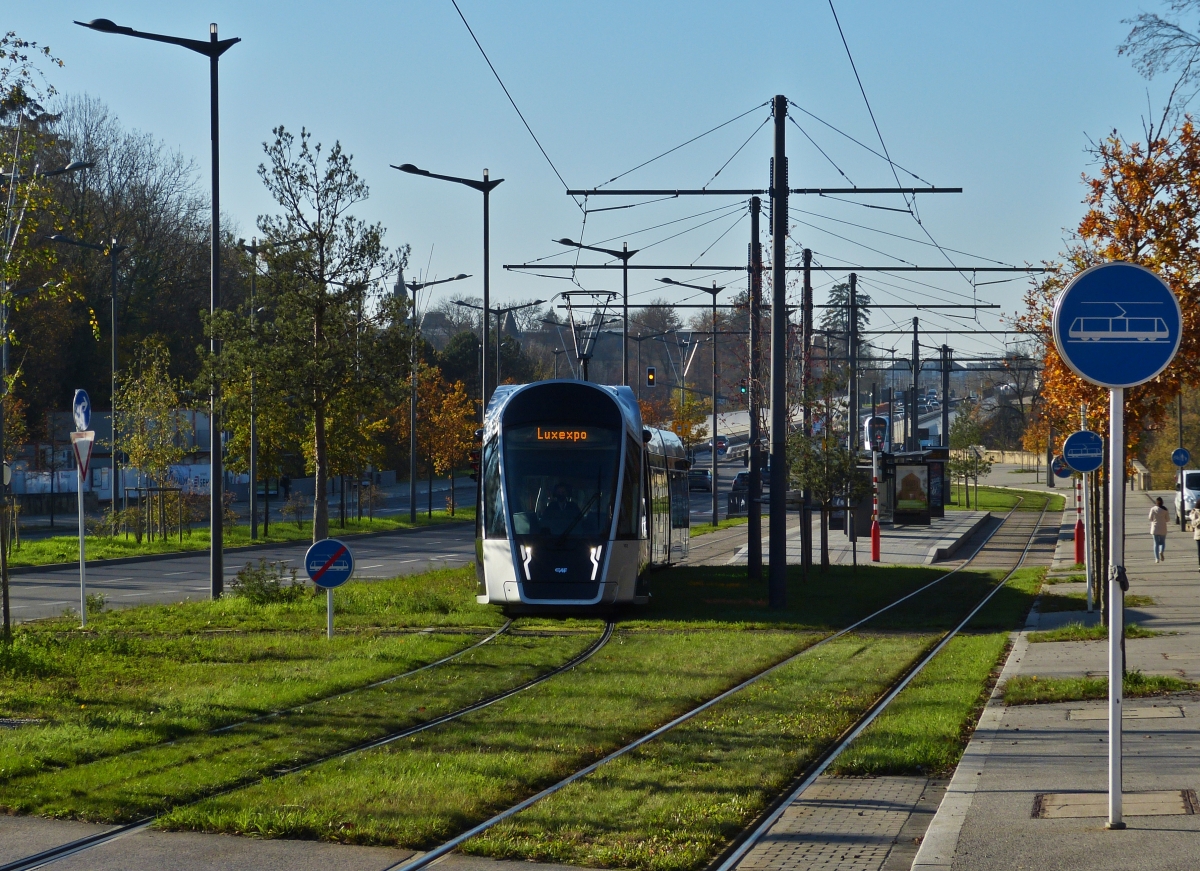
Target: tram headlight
[595, 553]
[526, 556]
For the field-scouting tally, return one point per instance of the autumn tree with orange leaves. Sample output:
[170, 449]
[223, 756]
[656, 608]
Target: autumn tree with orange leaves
[1143, 208]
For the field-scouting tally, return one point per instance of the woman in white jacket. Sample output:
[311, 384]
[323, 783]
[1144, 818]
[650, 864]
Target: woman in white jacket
[1194, 519]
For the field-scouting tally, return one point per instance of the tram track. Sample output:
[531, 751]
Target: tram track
[75, 847]
[71, 848]
[813, 771]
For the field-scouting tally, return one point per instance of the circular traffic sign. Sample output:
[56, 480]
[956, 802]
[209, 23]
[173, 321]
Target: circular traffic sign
[81, 410]
[1084, 451]
[1181, 457]
[1117, 325]
[329, 563]
[1060, 468]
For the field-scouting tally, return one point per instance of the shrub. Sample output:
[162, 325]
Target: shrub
[296, 508]
[263, 584]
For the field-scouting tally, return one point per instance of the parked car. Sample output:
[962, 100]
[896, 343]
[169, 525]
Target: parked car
[700, 479]
[1186, 500]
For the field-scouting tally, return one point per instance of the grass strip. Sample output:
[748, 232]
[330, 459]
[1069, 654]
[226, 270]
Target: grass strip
[926, 728]
[1004, 499]
[1079, 632]
[672, 804]
[133, 785]
[705, 528]
[420, 791]
[1056, 602]
[1066, 579]
[65, 548]
[1034, 690]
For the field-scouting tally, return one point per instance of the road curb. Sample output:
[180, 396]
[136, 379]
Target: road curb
[180, 554]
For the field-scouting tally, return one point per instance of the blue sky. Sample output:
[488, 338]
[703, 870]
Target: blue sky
[1000, 99]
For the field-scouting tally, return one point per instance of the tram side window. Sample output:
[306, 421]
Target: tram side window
[631, 496]
[493, 504]
[681, 503]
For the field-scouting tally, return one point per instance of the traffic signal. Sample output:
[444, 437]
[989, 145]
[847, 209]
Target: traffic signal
[743, 388]
[649, 376]
[474, 455]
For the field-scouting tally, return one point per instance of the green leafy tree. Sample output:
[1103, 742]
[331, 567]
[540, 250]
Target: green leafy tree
[332, 340]
[966, 434]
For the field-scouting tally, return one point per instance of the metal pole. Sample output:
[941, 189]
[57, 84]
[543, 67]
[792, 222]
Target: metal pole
[715, 518]
[412, 413]
[777, 585]
[113, 488]
[253, 407]
[3, 454]
[216, 489]
[329, 613]
[852, 364]
[1087, 533]
[1116, 599]
[1181, 499]
[946, 357]
[82, 563]
[625, 336]
[910, 415]
[486, 384]
[1050, 457]
[754, 493]
[806, 330]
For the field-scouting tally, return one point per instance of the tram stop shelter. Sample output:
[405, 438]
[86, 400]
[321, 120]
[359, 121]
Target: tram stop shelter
[913, 486]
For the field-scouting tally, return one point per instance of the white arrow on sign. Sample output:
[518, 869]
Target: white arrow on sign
[82, 443]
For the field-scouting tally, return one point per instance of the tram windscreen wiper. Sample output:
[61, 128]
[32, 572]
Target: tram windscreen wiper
[582, 513]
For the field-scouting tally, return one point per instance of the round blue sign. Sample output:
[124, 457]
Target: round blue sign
[81, 411]
[329, 563]
[1084, 451]
[1181, 457]
[1117, 325]
[1060, 468]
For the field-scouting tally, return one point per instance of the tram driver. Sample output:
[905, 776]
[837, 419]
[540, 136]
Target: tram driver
[561, 512]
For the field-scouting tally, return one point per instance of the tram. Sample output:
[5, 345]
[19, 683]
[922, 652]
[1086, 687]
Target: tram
[1119, 329]
[578, 500]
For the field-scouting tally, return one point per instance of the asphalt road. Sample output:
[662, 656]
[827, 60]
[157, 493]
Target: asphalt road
[176, 579]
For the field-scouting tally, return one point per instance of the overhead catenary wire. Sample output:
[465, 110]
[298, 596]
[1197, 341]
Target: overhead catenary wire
[820, 149]
[736, 153]
[684, 144]
[504, 87]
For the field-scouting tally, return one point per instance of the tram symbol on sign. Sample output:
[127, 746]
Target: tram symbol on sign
[1120, 328]
[1084, 451]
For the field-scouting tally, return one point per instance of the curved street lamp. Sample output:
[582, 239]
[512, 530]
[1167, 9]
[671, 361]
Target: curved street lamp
[623, 255]
[212, 49]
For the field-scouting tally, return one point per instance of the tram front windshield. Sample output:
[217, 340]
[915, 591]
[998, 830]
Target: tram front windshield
[561, 480]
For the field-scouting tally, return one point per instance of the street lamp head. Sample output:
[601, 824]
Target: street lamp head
[408, 167]
[668, 281]
[75, 165]
[104, 25]
[461, 276]
[567, 242]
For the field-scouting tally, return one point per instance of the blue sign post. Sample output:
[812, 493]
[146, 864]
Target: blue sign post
[1116, 325]
[1181, 457]
[329, 564]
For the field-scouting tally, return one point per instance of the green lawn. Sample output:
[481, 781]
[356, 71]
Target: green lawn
[1054, 602]
[1031, 690]
[705, 528]
[1003, 500]
[65, 548]
[1079, 632]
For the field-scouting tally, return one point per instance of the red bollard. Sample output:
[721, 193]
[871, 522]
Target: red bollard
[1079, 542]
[874, 541]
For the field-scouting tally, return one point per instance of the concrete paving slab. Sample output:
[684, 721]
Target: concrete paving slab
[1165, 712]
[1079, 805]
[24, 836]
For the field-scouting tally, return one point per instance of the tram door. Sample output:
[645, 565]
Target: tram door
[660, 514]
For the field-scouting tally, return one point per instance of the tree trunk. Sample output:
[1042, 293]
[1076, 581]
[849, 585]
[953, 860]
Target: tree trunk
[824, 536]
[320, 496]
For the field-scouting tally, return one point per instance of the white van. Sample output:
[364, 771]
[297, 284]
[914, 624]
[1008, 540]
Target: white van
[1187, 499]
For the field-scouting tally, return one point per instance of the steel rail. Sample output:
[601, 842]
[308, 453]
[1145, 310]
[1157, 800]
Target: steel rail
[752, 836]
[71, 848]
[449, 846]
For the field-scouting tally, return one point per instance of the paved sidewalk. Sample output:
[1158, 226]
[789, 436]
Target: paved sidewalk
[899, 545]
[992, 816]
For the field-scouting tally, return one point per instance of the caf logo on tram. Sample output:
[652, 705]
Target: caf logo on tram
[577, 499]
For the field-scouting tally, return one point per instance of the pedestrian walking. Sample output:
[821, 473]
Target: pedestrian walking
[1159, 518]
[1194, 519]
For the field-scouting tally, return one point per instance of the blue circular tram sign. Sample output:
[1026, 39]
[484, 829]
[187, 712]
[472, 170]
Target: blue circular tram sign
[329, 563]
[1117, 325]
[1060, 468]
[1181, 457]
[1084, 451]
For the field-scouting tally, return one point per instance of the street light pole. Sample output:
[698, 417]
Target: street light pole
[486, 187]
[412, 396]
[714, 290]
[213, 49]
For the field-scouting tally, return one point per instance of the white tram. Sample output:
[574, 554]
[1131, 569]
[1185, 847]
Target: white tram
[577, 499]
